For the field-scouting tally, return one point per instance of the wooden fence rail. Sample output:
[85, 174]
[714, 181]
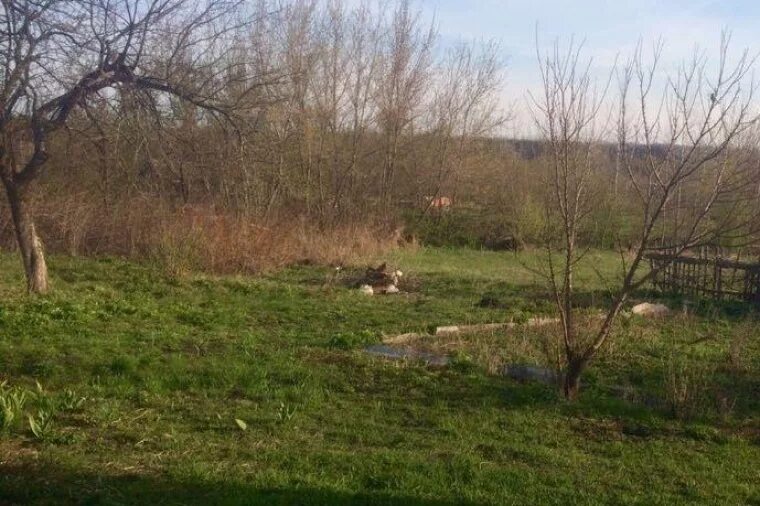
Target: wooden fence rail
[706, 277]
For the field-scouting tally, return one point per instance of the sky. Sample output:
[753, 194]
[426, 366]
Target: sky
[608, 28]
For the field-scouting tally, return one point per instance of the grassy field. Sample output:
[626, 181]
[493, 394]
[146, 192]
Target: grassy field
[255, 391]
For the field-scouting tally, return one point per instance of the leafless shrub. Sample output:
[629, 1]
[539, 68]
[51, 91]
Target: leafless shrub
[200, 238]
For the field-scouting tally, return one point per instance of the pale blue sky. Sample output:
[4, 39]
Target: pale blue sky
[609, 27]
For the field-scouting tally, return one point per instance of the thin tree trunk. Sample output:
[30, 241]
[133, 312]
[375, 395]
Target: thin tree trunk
[29, 243]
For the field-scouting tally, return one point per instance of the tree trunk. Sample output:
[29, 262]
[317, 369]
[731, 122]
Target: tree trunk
[29, 242]
[571, 383]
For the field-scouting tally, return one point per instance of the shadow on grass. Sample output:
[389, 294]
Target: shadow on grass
[537, 300]
[48, 485]
[460, 387]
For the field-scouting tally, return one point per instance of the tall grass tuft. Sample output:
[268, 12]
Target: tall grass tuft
[688, 387]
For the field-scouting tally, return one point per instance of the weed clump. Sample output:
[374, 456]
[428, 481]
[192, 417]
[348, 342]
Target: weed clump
[34, 409]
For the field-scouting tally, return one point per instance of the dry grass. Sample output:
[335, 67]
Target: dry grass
[198, 237]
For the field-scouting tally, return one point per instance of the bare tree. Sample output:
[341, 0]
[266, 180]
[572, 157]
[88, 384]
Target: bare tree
[406, 65]
[57, 55]
[464, 110]
[681, 154]
[363, 60]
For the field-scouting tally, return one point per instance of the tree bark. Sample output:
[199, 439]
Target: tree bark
[571, 383]
[29, 243]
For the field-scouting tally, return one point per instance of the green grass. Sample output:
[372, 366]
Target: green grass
[167, 367]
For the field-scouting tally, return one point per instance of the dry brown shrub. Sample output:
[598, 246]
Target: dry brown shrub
[197, 237]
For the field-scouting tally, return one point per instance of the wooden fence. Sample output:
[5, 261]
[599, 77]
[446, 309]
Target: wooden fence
[706, 276]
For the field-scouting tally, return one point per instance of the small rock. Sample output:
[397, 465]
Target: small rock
[367, 290]
[651, 310]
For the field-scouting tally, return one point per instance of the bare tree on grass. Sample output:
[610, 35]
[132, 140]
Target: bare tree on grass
[682, 155]
[464, 110]
[56, 55]
[406, 63]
